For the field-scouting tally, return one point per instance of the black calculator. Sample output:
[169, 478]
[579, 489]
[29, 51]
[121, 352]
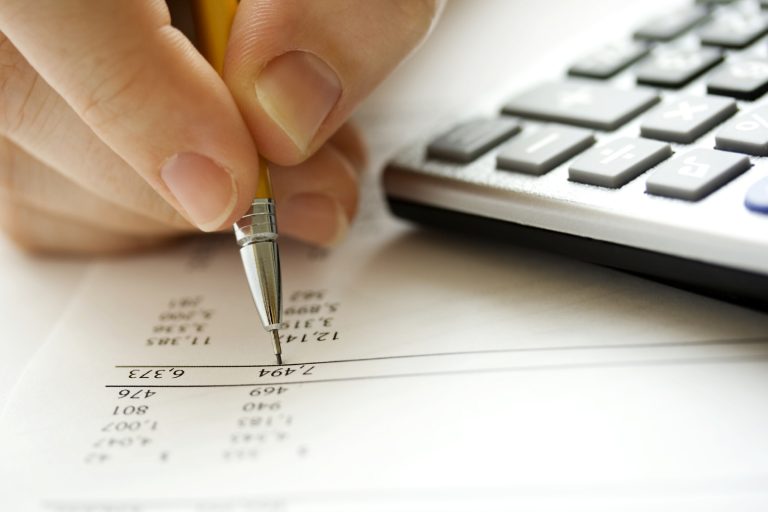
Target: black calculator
[646, 155]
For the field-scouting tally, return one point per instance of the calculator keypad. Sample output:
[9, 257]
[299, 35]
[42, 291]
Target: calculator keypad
[695, 174]
[670, 53]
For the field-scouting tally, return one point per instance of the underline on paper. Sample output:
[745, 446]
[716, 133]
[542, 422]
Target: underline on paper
[574, 366]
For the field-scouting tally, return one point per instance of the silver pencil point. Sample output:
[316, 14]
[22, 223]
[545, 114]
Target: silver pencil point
[256, 234]
[278, 348]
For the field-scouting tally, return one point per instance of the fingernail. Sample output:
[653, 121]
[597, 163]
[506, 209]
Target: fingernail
[314, 218]
[205, 190]
[298, 90]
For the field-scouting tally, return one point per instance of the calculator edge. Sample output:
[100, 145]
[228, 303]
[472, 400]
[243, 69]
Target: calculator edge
[721, 281]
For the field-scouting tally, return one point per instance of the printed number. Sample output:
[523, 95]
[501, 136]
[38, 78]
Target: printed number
[284, 372]
[136, 394]
[268, 390]
[261, 406]
[158, 373]
[129, 426]
[129, 410]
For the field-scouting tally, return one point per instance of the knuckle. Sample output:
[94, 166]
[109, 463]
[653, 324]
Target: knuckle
[119, 90]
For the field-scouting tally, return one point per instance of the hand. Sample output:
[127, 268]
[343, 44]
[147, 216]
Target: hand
[116, 134]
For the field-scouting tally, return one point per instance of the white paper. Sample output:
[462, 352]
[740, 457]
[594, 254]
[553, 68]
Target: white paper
[423, 372]
[34, 292]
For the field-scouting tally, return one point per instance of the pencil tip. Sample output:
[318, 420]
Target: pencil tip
[278, 348]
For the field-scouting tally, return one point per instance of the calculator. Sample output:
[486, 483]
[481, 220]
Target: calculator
[646, 155]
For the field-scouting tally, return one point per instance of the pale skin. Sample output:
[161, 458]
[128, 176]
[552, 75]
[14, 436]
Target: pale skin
[116, 135]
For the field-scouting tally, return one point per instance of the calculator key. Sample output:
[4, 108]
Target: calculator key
[470, 139]
[757, 197]
[745, 133]
[668, 27]
[618, 162]
[734, 29]
[746, 79]
[590, 105]
[609, 60]
[695, 174]
[543, 150]
[676, 67]
[687, 118]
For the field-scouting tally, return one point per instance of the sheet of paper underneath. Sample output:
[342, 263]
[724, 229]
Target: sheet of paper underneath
[423, 372]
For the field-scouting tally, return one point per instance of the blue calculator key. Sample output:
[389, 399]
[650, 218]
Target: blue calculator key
[757, 197]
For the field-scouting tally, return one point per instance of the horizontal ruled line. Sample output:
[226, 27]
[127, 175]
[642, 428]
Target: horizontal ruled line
[471, 352]
[574, 366]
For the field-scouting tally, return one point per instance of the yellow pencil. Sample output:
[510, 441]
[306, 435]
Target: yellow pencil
[256, 232]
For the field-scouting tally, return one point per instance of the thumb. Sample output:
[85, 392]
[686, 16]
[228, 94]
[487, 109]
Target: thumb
[298, 68]
[140, 86]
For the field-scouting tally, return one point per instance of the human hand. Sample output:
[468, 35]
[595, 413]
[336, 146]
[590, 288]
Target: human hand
[116, 134]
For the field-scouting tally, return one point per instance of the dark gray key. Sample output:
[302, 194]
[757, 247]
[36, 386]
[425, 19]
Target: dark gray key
[746, 79]
[618, 162]
[676, 67]
[543, 150]
[471, 139]
[695, 174]
[581, 104]
[734, 29]
[609, 60]
[745, 133]
[671, 25]
[687, 118]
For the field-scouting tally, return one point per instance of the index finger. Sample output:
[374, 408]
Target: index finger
[141, 86]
